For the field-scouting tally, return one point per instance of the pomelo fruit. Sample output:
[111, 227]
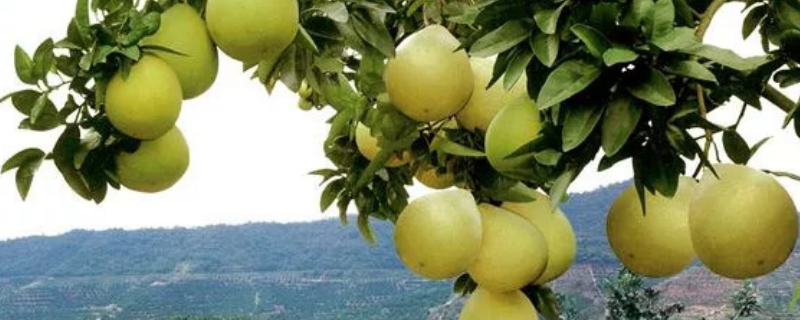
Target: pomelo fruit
[744, 224]
[485, 102]
[147, 104]
[557, 232]
[438, 235]
[430, 177]
[253, 30]
[513, 127]
[428, 80]
[183, 30]
[655, 244]
[487, 305]
[157, 165]
[368, 146]
[513, 252]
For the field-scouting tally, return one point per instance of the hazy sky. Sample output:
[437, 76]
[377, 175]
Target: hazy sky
[251, 152]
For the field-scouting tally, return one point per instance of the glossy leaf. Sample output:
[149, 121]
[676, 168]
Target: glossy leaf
[545, 47]
[595, 41]
[547, 19]
[691, 69]
[501, 39]
[736, 147]
[619, 122]
[565, 81]
[21, 158]
[580, 122]
[653, 87]
[619, 55]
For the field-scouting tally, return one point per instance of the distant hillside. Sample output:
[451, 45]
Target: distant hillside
[325, 245]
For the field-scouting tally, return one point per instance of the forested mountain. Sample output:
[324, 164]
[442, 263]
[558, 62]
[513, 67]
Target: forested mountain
[258, 247]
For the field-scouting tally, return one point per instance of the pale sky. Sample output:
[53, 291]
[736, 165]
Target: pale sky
[251, 152]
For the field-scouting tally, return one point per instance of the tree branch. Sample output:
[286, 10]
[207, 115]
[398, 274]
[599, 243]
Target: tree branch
[778, 98]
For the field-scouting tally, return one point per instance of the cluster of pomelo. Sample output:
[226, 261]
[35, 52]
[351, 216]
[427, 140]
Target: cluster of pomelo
[146, 102]
[503, 247]
[740, 222]
[429, 81]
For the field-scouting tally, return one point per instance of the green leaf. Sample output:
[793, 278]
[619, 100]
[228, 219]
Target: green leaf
[24, 66]
[736, 147]
[595, 41]
[25, 175]
[581, 119]
[547, 19]
[758, 146]
[548, 157]
[450, 147]
[501, 39]
[545, 47]
[753, 19]
[676, 39]
[24, 100]
[787, 78]
[620, 121]
[652, 87]
[39, 108]
[373, 33]
[619, 55]
[637, 11]
[82, 21]
[21, 158]
[516, 68]
[305, 40]
[568, 79]
[366, 229]
[691, 69]
[544, 299]
[726, 57]
[63, 155]
[662, 19]
[331, 192]
[144, 27]
[558, 191]
[335, 11]
[43, 59]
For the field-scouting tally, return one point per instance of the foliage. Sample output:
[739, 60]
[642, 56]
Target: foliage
[627, 298]
[745, 301]
[569, 306]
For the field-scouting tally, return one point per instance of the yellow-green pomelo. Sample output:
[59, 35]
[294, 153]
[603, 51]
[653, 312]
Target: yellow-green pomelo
[430, 177]
[485, 103]
[438, 235]
[157, 165]
[557, 231]
[183, 30]
[147, 104]
[252, 30]
[488, 305]
[368, 146]
[744, 224]
[655, 244]
[513, 253]
[428, 80]
[513, 127]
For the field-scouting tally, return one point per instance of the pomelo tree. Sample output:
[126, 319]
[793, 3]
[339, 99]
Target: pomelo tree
[502, 98]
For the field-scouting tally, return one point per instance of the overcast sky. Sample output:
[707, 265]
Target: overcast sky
[251, 152]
